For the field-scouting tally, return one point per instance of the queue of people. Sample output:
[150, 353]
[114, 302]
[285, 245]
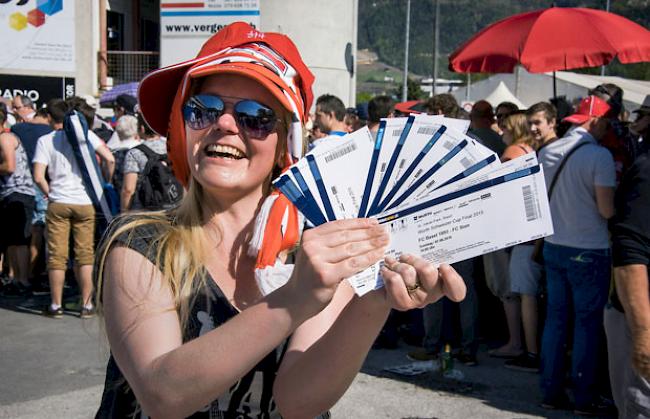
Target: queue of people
[177, 275]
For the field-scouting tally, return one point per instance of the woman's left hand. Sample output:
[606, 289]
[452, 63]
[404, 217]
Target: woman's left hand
[412, 282]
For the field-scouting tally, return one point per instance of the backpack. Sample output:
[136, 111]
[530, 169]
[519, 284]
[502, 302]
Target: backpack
[157, 188]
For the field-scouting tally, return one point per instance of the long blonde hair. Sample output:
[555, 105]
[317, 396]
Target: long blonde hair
[179, 248]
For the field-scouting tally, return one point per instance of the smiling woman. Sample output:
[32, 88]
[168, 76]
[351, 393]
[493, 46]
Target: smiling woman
[190, 330]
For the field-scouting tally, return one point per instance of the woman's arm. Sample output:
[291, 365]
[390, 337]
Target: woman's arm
[7, 154]
[172, 379]
[129, 184]
[326, 352]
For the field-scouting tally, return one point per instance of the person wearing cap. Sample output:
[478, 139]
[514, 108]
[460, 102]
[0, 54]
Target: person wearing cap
[203, 316]
[577, 256]
[627, 317]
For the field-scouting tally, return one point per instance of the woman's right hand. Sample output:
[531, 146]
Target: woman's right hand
[332, 252]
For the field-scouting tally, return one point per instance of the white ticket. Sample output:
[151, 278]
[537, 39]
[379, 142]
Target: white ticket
[473, 221]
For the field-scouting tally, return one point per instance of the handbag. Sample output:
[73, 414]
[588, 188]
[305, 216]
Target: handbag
[538, 250]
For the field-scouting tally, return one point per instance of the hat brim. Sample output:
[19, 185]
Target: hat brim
[577, 118]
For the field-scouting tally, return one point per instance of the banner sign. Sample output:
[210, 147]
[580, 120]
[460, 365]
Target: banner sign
[38, 35]
[38, 89]
[186, 24]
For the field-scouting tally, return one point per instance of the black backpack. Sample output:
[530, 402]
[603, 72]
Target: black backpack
[157, 188]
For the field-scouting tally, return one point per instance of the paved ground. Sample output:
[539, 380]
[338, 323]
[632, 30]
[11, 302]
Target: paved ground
[55, 369]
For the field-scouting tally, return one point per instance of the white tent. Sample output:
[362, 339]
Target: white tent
[503, 94]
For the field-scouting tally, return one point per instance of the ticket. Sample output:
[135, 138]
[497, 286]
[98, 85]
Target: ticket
[470, 222]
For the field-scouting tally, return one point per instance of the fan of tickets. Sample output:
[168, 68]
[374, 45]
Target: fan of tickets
[444, 196]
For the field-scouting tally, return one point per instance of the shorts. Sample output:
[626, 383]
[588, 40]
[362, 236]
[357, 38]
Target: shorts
[16, 214]
[497, 276]
[61, 219]
[38, 219]
[525, 274]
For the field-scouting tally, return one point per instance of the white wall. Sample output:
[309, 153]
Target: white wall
[87, 46]
[320, 29]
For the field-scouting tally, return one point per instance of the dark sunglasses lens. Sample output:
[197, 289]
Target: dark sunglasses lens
[258, 120]
[201, 111]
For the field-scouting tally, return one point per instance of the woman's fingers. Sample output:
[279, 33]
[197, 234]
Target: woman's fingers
[453, 285]
[342, 225]
[340, 237]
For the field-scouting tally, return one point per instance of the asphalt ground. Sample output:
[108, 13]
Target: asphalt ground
[54, 368]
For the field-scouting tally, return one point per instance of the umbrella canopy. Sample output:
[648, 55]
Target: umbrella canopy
[411, 106]
[553, 39]
[108, 97]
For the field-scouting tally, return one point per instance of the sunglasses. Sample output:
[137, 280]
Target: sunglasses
[256, 120]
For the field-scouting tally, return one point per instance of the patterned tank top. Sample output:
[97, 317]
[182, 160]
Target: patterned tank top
[20, 181]
[249, 398]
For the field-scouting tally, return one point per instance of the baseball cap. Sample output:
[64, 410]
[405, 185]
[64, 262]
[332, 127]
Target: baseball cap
[269, 58]
[589, 107]
[645, 107]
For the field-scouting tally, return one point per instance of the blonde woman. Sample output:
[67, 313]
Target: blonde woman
[190, 331]
[525, 274]
[517, 136]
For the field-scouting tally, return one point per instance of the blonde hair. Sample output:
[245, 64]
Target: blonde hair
[517, 124]
[179, 248]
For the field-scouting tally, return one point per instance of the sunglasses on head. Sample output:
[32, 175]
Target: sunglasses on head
[255, 119]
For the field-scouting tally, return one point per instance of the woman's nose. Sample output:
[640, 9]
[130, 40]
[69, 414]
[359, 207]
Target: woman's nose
[227, 122]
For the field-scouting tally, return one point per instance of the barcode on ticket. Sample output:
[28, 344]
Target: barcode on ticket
[397, 132]
[532, 212]
[465, 162]
[448, 145]
[427, 130]
[340, 152]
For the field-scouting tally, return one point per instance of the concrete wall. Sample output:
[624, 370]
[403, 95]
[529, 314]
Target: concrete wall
[87, 46]
[321, 29]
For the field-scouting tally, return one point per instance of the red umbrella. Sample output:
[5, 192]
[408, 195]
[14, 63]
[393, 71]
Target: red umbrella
[553, 39]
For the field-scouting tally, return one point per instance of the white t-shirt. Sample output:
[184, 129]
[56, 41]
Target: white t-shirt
[66, 184]
[576, 220]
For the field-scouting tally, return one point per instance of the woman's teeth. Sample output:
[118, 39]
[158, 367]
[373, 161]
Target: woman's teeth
[224, 151]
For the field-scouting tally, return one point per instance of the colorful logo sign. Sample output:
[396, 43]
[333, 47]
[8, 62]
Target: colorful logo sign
[36, 17]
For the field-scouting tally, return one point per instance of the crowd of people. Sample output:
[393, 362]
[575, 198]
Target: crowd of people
[228, 136]
[49, 211]
[554, 292]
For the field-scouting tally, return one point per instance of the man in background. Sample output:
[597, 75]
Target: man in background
[379, 107]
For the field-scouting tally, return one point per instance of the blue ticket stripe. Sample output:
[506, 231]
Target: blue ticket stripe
[371, 170]
[458, 194]
[407, 193]
[315, 172]
[311, 201]
[434, 139]
[391, 165]
[471, 170]
[290, 190]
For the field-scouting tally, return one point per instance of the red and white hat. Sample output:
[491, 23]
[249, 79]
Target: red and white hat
[270, 59]
[590, 107]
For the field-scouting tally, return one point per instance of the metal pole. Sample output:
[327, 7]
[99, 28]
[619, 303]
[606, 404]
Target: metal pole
[554, 86]
[436, 36]
[469, 86]
[602, 67]
[406, 52]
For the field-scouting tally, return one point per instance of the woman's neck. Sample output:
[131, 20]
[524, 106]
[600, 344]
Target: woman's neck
[234, 215]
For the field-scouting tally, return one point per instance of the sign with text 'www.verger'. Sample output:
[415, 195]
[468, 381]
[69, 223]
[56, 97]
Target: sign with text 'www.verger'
[186, 24]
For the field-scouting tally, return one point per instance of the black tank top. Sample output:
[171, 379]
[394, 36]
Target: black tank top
[250, 397]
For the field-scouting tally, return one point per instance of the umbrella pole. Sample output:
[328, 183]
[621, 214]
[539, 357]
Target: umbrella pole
[554, 87]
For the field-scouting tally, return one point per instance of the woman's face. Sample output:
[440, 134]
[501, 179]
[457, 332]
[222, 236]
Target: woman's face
[221, 157]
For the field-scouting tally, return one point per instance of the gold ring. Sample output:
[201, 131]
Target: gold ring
[414, 287]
